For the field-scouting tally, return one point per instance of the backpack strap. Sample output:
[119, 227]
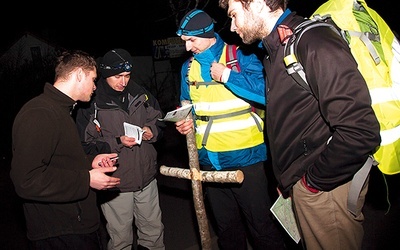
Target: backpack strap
[231, 58]
[293, 66]
[357, 183]
[197, 84]
[231, 62]
[366, 38]
[369, 31]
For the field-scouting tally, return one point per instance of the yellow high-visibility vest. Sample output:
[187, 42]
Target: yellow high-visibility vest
[224, 122]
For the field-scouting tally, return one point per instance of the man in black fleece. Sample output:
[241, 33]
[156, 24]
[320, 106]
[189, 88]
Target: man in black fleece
[50, 170]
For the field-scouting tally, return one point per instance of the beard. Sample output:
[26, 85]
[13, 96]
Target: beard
[249, 36]
[252, 29]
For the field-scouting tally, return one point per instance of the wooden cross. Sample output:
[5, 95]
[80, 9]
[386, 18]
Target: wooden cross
[197, 177]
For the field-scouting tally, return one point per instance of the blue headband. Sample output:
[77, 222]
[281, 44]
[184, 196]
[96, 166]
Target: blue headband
[181, 31]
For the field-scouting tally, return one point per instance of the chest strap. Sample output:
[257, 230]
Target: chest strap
[210, 120]
[198, 84]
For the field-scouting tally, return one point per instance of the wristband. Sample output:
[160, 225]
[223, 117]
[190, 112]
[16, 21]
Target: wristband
[225, 75]
[118, 139]
[309, 187]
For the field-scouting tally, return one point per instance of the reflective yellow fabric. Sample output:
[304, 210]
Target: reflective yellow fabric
[383, 80]
[226, 134]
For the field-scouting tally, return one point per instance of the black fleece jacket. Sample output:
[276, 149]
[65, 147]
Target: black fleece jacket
[329, 135]
[50, 170]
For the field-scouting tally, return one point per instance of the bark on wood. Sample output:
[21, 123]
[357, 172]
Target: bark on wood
[197, 188]
[204, 176]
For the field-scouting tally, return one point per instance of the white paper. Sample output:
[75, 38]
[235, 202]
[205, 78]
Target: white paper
[177, 114]
[134, 131]
[283, 211]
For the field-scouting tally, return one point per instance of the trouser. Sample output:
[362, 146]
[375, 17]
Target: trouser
[238, 208]
[141, 207]
[90, 241]
[324, 220]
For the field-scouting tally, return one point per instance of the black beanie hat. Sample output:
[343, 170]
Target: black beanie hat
[115, 62]
[196, 23]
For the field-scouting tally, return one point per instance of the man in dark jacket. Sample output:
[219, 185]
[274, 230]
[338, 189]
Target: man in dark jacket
[50, 170]
[318, 141]
[118, 100]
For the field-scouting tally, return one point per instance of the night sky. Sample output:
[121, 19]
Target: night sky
[132, 24]
[128, 24]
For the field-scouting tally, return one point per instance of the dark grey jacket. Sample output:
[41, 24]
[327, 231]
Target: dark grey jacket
[299, 126]
[138, 165]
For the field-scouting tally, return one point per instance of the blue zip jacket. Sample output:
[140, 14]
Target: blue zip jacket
[249, 84]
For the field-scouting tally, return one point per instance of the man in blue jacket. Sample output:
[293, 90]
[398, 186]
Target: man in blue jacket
[229, 134]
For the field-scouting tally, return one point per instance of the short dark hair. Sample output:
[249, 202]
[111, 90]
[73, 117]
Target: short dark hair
[70, 60]
[272, 4]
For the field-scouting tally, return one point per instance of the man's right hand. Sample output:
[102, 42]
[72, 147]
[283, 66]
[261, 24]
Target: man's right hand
[184, 126]
[100, 181]
[217, 71]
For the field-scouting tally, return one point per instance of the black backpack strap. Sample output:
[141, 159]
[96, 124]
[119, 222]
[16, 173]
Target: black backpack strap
[293, 66]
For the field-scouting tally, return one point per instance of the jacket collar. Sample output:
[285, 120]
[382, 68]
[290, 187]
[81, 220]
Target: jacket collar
[59, 97]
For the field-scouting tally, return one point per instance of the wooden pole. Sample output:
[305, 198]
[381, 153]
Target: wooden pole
[197, 188]
[204, 176]
[197, 176]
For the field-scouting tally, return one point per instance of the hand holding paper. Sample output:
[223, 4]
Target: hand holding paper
[177, 114]
[134, 131]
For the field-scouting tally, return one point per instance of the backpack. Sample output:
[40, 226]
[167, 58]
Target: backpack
[377, 52]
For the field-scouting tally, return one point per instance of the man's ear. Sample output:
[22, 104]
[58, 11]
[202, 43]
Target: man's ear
[79, 74]
[257, 5]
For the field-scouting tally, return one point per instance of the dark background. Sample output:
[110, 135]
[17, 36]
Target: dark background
[97, 27]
